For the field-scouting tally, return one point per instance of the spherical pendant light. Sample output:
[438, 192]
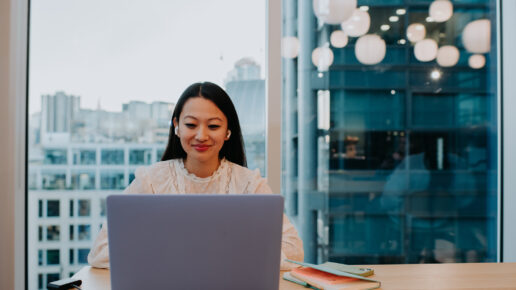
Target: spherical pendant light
[322, 58]
[289, 47]
[416, 32]
[476, 36]
[338, 39]
[334, 11]
[370, 49]
[477, 61]
[358, 24]
[447, 56]
[441, 10]
[425, 50]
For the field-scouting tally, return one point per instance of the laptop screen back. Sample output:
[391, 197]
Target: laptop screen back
[194, 241]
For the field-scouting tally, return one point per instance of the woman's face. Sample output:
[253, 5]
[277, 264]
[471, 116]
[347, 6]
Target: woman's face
[202, 129]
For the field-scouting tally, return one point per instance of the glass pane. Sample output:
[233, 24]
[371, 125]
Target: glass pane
[53, 181]
[100, 104]
[84, 207]
[84, 157]
[52, 257]
[72, 212]
[84, 232]
[112, 180]
[140, 156]
[40, 281]
[115, 157]
[103, 207]
[55, 156]
[390, 134]
[40, 257]
[53, 208]
[72, 256]
[72, 232]
[53, 277]
[53, 233]
[83, 180]
[83, 256]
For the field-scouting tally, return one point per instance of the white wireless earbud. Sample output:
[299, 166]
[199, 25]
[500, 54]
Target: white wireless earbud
[229, 134]
[175, 130]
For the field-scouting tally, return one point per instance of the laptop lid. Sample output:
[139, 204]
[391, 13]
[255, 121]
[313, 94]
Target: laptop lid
[194, 241]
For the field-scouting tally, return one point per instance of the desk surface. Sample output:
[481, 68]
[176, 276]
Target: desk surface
[414, 276]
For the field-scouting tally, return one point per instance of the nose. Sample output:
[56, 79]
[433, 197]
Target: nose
[201, 134]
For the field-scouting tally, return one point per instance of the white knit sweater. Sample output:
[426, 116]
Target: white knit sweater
[171, 177]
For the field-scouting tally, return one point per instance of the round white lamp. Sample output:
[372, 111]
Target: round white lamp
[416, 32]
[358, 24]
[441, 10]
[322, 58]
[370, 49]
[476, 36]
[289, 47]
[334, 11]
[338, 39]
[425, 50]
[447, 56]
[477, 61]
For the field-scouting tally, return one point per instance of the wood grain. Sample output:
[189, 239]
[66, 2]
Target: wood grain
[407, 276]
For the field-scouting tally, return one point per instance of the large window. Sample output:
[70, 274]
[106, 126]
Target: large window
[103, 81]
[390, 130]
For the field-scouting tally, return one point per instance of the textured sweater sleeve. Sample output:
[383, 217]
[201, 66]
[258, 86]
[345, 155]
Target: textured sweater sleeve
[99, 253]
[291, 244]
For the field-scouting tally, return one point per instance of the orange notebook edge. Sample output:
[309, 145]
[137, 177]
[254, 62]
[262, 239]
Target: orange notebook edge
[318, 280]
[332, 271]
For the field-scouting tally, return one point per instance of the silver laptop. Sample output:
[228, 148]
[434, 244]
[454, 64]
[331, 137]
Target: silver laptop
[194, 241]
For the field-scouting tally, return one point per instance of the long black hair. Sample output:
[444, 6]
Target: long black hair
[233, 149]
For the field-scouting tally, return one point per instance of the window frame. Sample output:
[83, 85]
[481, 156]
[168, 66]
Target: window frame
[507, 156]
[273, 80]
[16, 101]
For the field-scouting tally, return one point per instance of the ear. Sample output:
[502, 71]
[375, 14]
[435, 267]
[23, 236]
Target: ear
[176, 126]
[228, 135]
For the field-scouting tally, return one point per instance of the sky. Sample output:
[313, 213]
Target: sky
[115, 51]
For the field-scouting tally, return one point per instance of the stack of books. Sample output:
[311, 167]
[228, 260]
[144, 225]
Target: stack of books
[332, 276]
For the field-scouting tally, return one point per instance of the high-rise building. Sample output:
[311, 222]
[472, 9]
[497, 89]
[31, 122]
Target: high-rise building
[77, 157]
[57, 113]
[247, 91]
[245, 69]
[390, 157]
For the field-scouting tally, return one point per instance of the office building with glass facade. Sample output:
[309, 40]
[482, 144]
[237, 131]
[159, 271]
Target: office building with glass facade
[393, 161]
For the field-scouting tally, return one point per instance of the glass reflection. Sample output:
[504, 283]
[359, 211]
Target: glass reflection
[400, 165]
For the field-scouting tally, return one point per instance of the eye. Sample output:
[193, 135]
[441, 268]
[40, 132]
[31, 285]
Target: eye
[190, 125]
[214, 127]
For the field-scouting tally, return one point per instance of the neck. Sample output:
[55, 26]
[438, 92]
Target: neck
[201, 169]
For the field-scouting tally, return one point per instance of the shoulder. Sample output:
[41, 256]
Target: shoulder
[249, 181]
[157, 178]
[244, 172]
[156, 174]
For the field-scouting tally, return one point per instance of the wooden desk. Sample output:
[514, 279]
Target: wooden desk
[415, 276]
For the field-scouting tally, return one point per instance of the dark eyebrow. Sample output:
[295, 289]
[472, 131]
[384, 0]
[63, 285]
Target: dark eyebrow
[211, 119]
[188, 116]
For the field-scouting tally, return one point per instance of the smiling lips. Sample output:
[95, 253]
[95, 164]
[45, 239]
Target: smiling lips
[201, 148]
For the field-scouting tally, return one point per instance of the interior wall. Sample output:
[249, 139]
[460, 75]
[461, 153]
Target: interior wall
[6, 156]
[13, 79]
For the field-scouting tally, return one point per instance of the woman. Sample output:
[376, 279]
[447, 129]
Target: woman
[204, 154]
